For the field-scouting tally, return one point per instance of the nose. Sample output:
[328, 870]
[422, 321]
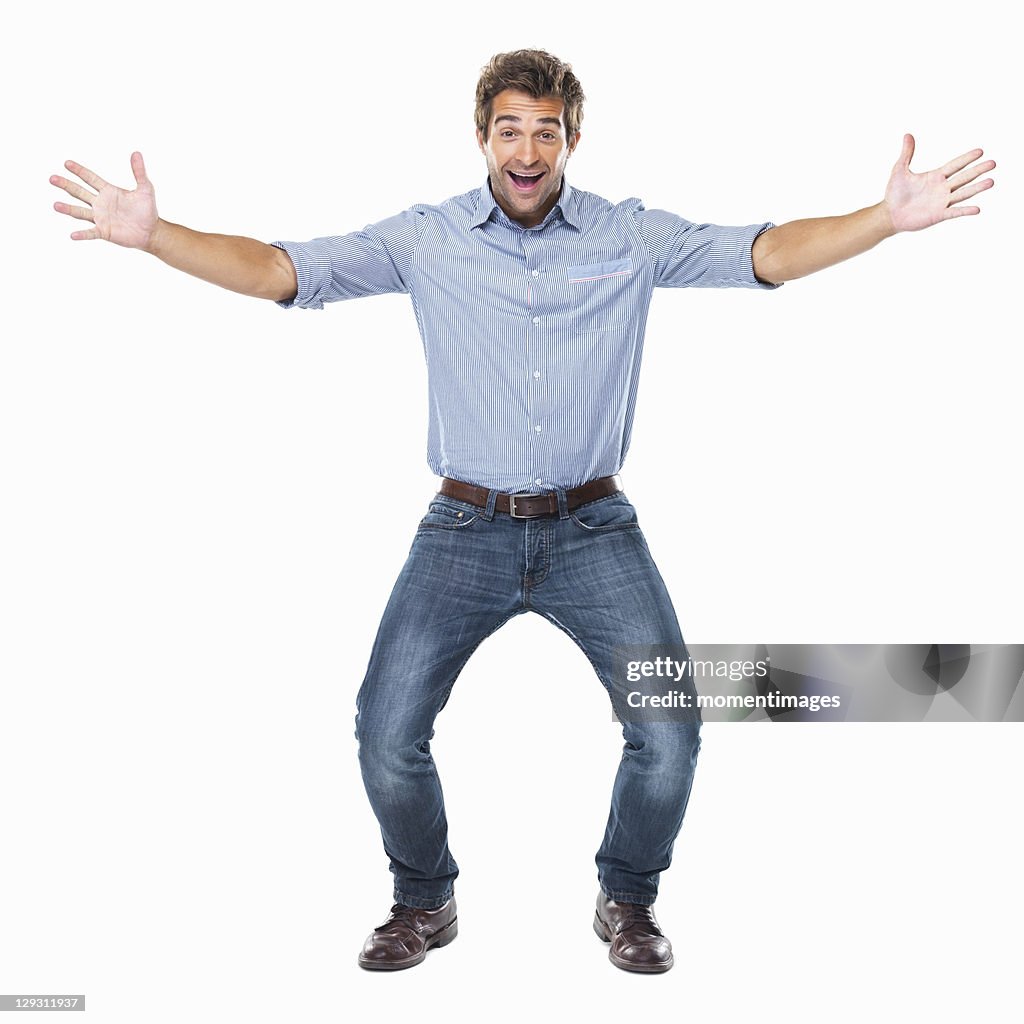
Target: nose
[527, 150]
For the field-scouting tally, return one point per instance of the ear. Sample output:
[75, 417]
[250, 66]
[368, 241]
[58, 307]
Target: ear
[573, 143]
[480, 141]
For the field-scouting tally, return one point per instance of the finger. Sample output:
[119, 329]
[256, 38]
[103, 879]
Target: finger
[139, 169]
[907, 153]
[78, 212]
[960, 162]
[73, 189]
[970, 190]
[970, 173]
[85, 236]
[961, 211]
[89, 177]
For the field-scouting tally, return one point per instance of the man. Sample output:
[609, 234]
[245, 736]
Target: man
[531, 298]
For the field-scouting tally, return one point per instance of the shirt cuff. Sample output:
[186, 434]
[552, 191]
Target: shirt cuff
[312, 271]
[756, 230]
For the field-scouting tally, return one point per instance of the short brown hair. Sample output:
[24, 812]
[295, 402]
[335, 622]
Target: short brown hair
[531, 71]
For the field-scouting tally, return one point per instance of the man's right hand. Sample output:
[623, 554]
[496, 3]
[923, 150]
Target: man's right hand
[127, 218]
[244, 265]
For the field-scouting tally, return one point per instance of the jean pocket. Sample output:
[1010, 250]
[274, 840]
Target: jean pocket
[445, 513]
[604, 515]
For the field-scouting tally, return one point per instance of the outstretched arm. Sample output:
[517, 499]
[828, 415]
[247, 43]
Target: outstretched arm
[130, 218]
[912, 202]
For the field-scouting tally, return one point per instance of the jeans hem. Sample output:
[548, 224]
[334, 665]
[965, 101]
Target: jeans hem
[422, 902]
[629, 897]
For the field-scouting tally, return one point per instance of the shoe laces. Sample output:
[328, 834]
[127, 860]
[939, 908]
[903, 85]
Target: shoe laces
[639, 914]
[399, 914]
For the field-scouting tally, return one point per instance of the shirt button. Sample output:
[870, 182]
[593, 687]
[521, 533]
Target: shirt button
[538, 481]
[536, 374]
[536, 319]
[536, 273]
[537, 428]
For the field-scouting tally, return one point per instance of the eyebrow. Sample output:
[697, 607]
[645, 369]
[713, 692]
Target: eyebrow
[519, 120]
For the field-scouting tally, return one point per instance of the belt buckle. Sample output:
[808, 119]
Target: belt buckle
[512, 505]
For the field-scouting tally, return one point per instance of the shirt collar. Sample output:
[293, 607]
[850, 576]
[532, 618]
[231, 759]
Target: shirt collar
[567, 205]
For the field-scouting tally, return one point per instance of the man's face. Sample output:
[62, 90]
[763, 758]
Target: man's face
[526, 150]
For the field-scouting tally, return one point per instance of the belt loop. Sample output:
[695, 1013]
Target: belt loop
[563, 503]
[492, 497]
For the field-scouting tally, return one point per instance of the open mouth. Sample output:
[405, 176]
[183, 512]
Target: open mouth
[525, 182]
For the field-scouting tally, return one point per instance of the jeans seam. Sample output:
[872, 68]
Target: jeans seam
[422, 902]
[546, 545]
[579, 643]
[629, 897]
[469, 654]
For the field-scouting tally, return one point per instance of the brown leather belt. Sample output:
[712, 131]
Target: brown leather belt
[529, 506]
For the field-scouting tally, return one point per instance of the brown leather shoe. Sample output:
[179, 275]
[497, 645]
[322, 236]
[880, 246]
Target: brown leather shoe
[404, 938]
[637, 942]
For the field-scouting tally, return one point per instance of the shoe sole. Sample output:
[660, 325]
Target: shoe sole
[437, 940]
[604, 934]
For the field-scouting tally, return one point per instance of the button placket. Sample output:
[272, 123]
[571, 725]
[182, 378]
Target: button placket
[535, 365]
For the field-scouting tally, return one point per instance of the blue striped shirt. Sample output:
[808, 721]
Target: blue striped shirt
[533, 336]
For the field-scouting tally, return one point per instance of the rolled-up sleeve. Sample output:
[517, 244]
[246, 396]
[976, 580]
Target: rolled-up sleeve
[688, 255]
[375, 261]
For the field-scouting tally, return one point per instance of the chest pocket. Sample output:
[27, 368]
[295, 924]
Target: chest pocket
[599, 296]
[585, 273]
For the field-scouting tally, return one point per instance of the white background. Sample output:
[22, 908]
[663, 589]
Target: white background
[206, 500]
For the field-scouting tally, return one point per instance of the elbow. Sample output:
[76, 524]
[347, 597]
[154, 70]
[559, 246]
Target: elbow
[768, 277]
[283, 282]
[768, 268]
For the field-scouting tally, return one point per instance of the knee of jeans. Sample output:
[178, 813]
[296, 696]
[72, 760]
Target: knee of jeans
[662, 746]
[391, 749]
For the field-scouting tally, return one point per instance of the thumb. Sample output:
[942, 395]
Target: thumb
[907, 153]
[139, 169]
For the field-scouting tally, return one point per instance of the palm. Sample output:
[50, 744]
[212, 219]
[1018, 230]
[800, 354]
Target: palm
[917, 201]
[124, 217]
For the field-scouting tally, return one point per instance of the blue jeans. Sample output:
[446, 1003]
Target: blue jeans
[468, 572]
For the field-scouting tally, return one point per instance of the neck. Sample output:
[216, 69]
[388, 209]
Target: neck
[528, 220]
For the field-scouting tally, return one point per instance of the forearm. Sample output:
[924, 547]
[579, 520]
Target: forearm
[802, 247]
[240, 264]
